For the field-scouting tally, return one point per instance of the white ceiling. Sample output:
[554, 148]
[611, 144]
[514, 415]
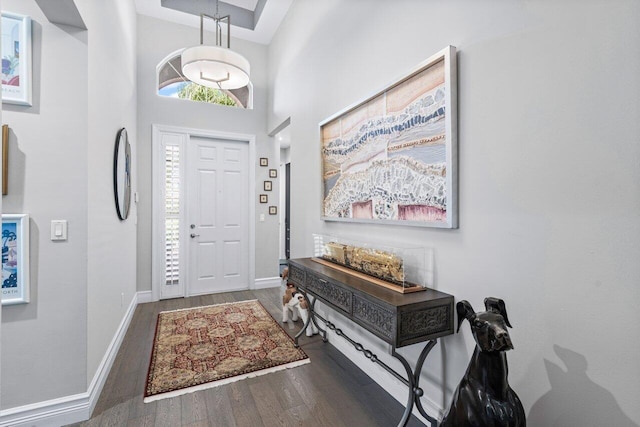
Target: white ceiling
[246, 4]
[272, 15]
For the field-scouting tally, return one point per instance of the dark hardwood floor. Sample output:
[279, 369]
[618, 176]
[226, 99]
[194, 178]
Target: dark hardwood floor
[331, 391]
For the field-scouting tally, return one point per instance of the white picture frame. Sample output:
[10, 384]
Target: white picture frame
[16, 59]
[392, 157]
[15, 259]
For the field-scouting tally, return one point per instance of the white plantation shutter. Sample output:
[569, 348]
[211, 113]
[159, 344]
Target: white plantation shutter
[172, 214]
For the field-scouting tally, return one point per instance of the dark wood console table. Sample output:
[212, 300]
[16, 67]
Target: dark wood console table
[398, 319]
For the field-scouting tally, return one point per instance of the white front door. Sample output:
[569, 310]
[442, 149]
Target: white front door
[217, 223]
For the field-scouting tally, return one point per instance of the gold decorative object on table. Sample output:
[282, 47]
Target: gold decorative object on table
[377, 263]
[384, 268]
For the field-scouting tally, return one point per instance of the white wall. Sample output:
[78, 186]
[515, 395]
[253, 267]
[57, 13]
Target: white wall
[156, 40]
[61, 167]
[44, 342]
[112, 101]
[549, 196]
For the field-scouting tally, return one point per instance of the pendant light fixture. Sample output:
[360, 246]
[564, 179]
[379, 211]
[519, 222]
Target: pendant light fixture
[215, 66]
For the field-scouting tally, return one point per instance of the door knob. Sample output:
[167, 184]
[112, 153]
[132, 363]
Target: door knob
[194, 235]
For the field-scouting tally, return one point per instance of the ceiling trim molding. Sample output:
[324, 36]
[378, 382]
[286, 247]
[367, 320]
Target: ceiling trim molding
[267, 16]
[62, 12]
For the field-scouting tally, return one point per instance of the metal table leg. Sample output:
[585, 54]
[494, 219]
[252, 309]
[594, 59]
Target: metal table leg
[413, 381]
[415, 392]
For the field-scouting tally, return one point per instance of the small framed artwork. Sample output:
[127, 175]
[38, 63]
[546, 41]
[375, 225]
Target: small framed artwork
[16, 59]
[264, 198]
[5, 159]
[273, 173]
[273, 210]
[264, 161]
[15, 259]
[267, 186]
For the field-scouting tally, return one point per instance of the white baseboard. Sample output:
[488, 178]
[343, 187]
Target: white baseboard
[51, 413]
[144, 297]
[95, 388]
[267, 282]
[77, 407]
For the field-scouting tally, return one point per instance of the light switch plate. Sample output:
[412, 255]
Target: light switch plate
[58, 229]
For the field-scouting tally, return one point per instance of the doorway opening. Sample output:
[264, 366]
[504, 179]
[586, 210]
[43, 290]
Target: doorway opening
[283, 141]
[203, 238]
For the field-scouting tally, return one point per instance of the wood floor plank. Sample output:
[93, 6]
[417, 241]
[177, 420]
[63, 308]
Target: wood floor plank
[271, 412]
[244, 406]
[194, 408]
[387, 411]
[243, 295]
[324, 413]
[116, 416]
[219, 407]
[301, 416]
[201, 423]
[284, 389]
[139, 409]
[95, 421]
[145, 421]
[169, 412]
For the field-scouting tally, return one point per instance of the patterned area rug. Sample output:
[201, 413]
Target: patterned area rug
[203, 347]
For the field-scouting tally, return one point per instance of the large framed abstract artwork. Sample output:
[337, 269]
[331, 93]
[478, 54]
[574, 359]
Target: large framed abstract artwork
[16, 59]
[15, 259]
[392, 158]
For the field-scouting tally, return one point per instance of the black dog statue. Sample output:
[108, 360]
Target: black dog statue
[483, 397]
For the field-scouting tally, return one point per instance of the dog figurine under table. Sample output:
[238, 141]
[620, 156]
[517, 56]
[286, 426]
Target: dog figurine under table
[483, 397]
[290, 290]
[286, 307]
[300, 303]
[296, 303]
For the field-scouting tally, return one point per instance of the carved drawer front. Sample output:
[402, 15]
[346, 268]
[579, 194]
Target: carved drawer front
[296, 275]
[428, 321]
[329, 292]
[376, 317]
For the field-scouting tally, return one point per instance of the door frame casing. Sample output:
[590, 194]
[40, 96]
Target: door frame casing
[157, 228]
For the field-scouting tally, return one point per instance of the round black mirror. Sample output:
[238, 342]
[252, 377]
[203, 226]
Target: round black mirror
[122, 174]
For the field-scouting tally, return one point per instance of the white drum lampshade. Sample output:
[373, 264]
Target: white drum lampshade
[215, 66]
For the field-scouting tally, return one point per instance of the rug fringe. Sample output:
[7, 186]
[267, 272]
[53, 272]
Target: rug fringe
[225, 381]
[207, 306]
